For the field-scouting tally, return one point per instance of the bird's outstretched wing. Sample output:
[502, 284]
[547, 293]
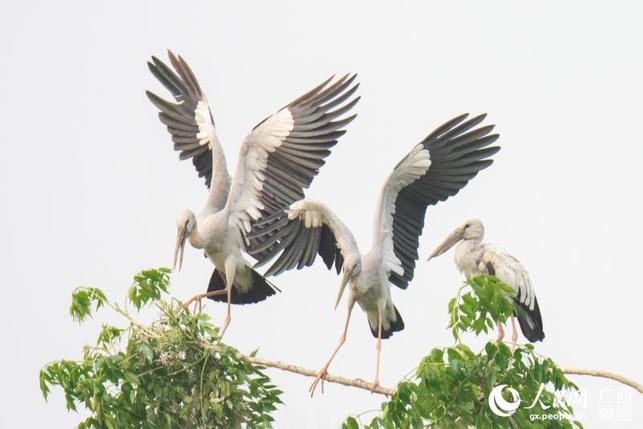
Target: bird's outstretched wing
[305, 230]
[437, 168]
[283, 153]
[189, 120]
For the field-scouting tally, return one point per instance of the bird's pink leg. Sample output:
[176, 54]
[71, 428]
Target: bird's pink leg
[228, 316]
[501, 332]
[230, 274]
[514, 334]
[200, 296]
[376, 383]
[321, 375]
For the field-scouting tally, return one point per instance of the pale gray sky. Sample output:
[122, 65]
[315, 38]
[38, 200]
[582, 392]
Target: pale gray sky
[90, 185]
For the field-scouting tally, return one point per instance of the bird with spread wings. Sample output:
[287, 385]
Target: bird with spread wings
[277, 160]
[434, 170]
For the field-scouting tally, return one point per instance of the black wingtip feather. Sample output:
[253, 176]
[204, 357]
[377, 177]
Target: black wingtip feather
[394, 326]
[532, 331]
[260, 290]
[446, 126]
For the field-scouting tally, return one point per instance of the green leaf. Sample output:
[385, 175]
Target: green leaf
[131, 378]
[350, 423]
[81, 302]
[43, 382]
[148, 286]
[108, 334]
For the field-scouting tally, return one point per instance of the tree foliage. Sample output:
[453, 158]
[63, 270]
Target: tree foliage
[174, 373]
[451, 385]
[481, 308]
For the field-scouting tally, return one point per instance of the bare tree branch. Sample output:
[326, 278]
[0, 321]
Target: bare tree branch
[605, 374]
[356, 382]
[361, 384]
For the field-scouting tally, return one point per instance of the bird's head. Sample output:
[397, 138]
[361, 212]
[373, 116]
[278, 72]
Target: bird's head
[351, 269]
[471, 229]
[185, 223]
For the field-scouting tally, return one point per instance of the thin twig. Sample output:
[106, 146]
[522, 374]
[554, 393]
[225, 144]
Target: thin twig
[605, 374]
[512, 422]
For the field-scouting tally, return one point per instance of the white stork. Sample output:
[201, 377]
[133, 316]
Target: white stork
[473, 257]
[434, 170]
[277, 161]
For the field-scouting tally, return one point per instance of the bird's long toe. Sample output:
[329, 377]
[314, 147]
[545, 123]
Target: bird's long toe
[321, 376]
[195, 299]
[186, 304]
[226, 323]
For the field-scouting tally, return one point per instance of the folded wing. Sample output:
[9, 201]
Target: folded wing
[510, 271]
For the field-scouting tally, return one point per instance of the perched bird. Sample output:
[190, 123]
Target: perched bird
[277, 161]
[473, 257]
[434, 170]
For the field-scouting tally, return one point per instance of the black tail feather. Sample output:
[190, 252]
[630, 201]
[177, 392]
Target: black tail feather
[394, 326]
[260, 290]
[531, 322]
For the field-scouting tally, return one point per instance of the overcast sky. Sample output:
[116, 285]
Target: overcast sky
[90, 185]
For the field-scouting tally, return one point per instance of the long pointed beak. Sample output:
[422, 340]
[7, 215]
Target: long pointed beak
[181, 237]
[448, 243]
[342, 286]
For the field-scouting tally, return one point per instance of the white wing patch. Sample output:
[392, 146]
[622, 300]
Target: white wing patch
[411, 168]
[305, 210]
[253, 158]
[206, 134]
[315, 214]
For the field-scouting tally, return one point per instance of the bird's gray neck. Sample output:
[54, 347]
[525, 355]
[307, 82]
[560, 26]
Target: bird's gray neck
[196, 238]
[467, 256]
